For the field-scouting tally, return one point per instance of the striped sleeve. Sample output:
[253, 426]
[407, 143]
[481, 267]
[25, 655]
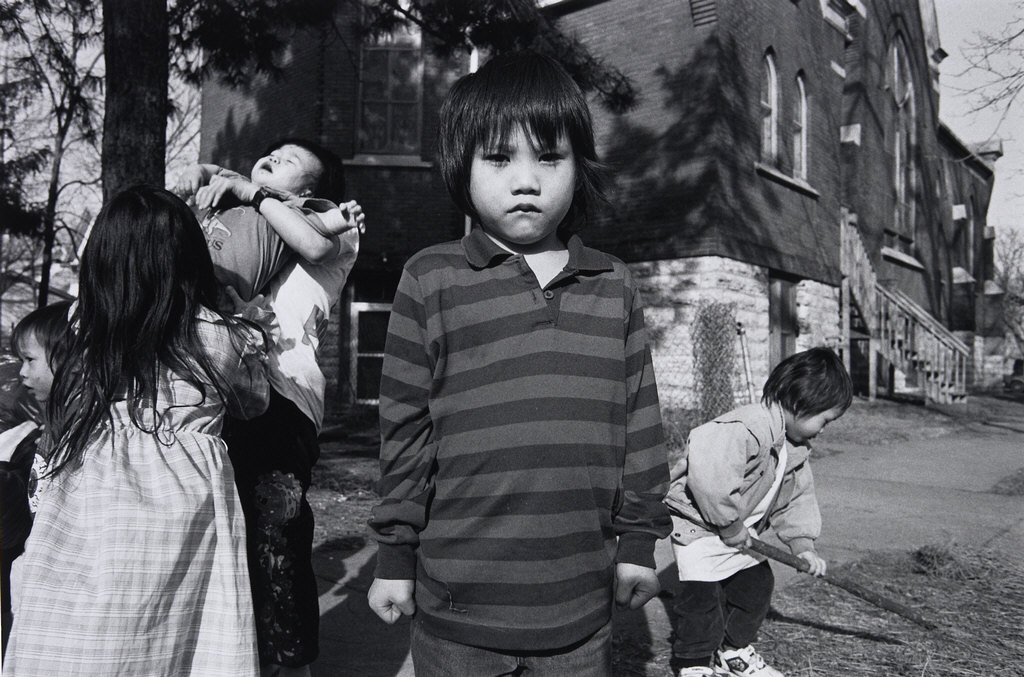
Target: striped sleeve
[407, 436]
[643, 517]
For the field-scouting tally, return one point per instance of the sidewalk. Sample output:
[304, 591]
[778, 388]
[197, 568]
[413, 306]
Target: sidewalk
[896, 497]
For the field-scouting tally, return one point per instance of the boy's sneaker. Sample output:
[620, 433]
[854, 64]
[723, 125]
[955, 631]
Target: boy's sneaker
[743, 662]
[696, 671]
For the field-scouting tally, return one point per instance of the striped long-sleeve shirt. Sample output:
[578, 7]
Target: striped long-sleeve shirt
[522, 449]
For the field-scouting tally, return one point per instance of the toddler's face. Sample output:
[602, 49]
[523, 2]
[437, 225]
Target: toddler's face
[803, 429]
[35, 369]
[523, 193]
[291, 169]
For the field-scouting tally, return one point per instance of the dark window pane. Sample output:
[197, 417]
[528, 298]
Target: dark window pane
[368, 371]
[373, 130]
[404, 128]
[375, 75]
[405, 72]
[373, 330]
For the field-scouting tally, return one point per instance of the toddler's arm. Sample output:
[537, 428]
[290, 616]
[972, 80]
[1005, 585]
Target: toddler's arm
[294, 227]
[797, 522]
[341, 219]
[390, 598]
[635, 585]
[298, 231]
[717, 453]
[192, 179]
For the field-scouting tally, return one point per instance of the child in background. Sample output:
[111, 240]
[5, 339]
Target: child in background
[742, 473]
[522, 455]
[288, 207]
[35, 340]
[136, 561]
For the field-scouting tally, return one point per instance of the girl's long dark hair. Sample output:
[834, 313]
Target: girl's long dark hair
[145, 274]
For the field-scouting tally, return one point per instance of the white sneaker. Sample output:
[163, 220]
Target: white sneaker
[743, 662]
[696, 671]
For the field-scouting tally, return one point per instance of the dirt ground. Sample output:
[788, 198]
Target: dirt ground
[345, 477]
[848, 640]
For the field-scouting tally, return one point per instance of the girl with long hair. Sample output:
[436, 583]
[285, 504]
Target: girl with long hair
[136, 561]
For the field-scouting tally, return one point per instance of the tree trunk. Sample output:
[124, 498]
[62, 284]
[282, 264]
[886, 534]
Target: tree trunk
[50, 216]
[135, 38]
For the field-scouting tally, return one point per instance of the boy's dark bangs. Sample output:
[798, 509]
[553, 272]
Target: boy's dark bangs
[528, 101]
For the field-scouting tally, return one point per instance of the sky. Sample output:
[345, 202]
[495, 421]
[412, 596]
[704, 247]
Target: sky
[960, 23]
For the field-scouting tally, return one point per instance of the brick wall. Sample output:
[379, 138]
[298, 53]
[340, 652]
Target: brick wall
[689, 203]
[868, 166]
[684, 159]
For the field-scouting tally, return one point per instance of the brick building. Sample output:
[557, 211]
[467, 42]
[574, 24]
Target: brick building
[785, 162]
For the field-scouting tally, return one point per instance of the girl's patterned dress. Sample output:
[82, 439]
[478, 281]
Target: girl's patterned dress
[136, 560]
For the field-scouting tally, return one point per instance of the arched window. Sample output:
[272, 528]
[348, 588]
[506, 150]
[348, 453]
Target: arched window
[801, 120]
[769, 111]
[904, 144]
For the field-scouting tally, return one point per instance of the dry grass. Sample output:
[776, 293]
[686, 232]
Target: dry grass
[818, 630]
[975, 599]
[1011, 486]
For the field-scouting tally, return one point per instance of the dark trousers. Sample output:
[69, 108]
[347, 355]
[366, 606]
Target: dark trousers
[709, 614]
[433, 656]
[273, 456]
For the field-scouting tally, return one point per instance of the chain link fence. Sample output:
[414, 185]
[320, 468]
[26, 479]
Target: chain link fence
[702, 369]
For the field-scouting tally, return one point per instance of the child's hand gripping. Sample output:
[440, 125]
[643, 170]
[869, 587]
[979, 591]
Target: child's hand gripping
[635, 585]
[346, 217]
[224, 189]
[190, 181]
[391, 598]
[816, 566]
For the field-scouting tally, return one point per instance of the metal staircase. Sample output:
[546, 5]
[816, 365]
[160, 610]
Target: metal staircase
[903, 333]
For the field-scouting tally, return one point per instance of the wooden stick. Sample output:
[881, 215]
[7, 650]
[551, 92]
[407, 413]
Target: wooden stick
[779, 555]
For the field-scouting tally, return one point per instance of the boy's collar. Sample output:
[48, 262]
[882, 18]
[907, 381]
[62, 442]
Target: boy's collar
[481, 252]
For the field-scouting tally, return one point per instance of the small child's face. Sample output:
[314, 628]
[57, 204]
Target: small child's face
[291, 169]
[805, 428]
[522, 193]
[35, 370]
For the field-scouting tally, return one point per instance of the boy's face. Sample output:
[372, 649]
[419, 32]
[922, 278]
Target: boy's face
[803, 429]
[522, 193]
[35, 370]
[291, 169]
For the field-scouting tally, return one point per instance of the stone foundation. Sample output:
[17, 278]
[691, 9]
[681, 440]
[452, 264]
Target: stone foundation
[673, 292]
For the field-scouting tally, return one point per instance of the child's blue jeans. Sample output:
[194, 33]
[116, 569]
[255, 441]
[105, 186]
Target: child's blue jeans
[433, 656]
[708, 613]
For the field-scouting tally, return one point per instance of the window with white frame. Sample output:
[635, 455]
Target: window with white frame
[769, 110]
[391, 94]
[369, 328]
[801, 113]
[904, 144]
